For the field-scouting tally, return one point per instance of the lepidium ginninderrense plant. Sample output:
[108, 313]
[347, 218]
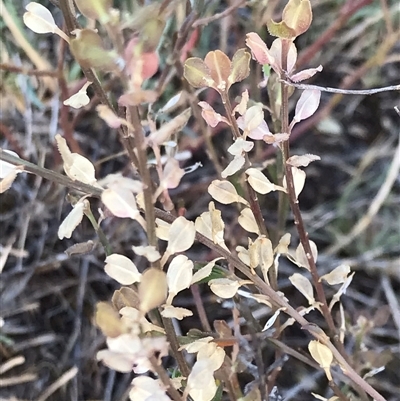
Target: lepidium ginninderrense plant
[138, 323]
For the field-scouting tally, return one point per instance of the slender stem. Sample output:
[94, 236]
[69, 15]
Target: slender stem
[102, 237]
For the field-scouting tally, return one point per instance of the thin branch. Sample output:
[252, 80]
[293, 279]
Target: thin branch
[343, 91]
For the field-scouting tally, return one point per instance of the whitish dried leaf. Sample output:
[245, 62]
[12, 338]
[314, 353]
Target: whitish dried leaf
[72, 221]
[108, 320]
[196, 345]
[5, 167]
[162, 229]
[79, 99]
[342, 290]
[214, 354]
[233, 167]
[337, 275]
[149, 252]
[301, 257]
[111, 119]
[253, 117]
[260, 183]
[172, 103]
[304, 286]
[299, 179]
[210, 225]
[122, 269]
[121, 202]
[170, 312]
[171, 127]
[248, 221]
[136, 322]
[319, 397]
[145, 389]
[266, 255]
[75, 165]
[242, 106]
[307, 105]
[181, 235]
[224, 287]
[302, 161]
[8, 180]
[243, 255]
[118, 180]
[211, 117]
[240, 146]
[322, 355]
[179, 275]
[153, 289]
[115, 360]
[224, 192]
[201, 383]
[283, 245]
[273, 139]
[276, 51]
[204, 271]
[271, 320]
[39, 19]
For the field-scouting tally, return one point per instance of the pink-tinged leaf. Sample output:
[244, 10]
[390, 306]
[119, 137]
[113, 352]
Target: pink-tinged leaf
[257, 133]
[211, 117]
[276, 52]
[137, 96]
[197, 73]
[111, 119]
[172, 174]
[121, 202]
[220, 67]
[305, 74]
[72, 221]
[233, 167]
[302, 161]
[273, 139]
[307, 105]
[259, 49]
[122, 269]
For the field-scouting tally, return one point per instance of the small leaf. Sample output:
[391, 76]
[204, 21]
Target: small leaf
[224, 192]
[95, 9]
[304, 286]
[179, 275]
[170, 312]
[233, 167]
[121, 269]
[307, 105]
[153, 289]
[72, 221]
[248, 221]
[305, 74]
[172, 174]
[240, 67]
[283, 245]
[204, 272]
[108, 320]
[5, 167]
[220, 67]
[111, 119]
[260, 183]
[242, 106]
[162, 229]
[145, 389]
[224, 287]
[260, 50]
[298, 15]
[337, 275]
[181, 235]
[8, 180]
[342, 290]
[121, 202]
[271, 320]
[322, 355]
[211, 117]
[39, 19]
[299, 179]
[197, 73]
[281, 30]
[302, 161]
[301, 258]
[149, 252]
[79, 99]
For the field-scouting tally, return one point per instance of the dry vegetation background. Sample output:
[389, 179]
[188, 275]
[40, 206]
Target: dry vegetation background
[47, 297]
